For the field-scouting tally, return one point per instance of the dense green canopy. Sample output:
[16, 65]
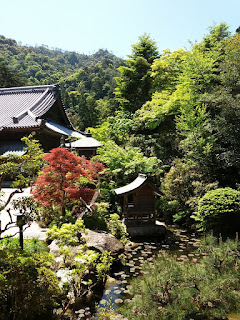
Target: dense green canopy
[165, 114]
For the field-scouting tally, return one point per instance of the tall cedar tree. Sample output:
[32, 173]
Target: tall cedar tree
[135, 82]
[64, 178]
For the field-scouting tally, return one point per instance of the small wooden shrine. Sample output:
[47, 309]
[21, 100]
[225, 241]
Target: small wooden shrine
[138, 202]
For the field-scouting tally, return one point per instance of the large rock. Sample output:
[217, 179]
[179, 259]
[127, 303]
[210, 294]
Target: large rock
[53, 247]
[97, 240]
[103, 241]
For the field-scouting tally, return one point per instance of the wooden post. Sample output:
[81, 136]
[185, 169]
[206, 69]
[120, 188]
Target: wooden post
[21, 236]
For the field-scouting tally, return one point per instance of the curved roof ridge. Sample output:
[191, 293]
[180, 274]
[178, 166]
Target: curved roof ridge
[29, 110]
[28, 88]
[138, 182]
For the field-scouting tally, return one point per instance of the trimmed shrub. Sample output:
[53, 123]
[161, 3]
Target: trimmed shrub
[219, 210]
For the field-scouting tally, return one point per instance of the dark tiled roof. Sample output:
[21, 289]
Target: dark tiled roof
[13, 147]
[22, 107]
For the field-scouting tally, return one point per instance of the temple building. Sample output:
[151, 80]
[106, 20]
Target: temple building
[38, 110]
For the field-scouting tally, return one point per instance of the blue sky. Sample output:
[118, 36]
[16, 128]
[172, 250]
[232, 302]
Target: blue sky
[85, 26]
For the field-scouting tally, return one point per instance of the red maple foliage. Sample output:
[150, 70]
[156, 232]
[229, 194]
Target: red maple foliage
[64, 178]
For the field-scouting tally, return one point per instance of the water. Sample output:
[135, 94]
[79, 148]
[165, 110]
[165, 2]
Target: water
[177, 242]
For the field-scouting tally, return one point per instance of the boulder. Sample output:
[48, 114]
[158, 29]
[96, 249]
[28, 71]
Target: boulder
[53, 247]
[103, 241]
[97, 240]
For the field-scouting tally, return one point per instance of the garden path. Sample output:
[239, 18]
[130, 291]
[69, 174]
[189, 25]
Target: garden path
[33, 231]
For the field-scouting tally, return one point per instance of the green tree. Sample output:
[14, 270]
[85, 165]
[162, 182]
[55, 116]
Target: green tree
[9, 78]
[180, 79]
[167, 69]
[183, 185]
[145, 48]
[22, 169]
[135, 83]
[197, 137]
[223, 107]
[126, 163]
[204, 290]
[202, 64]
[155, 122]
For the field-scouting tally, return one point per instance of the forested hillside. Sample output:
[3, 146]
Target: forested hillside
[174, 115]
[87, 81]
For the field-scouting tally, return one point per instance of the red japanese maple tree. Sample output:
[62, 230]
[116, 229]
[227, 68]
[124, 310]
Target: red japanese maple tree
[65, 178]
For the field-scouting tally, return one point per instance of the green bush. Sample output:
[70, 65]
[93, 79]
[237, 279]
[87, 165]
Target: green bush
[51, 216]
[116, 228]
[97, 220]
[183, 185]
[219, 210]
[28, 286]
[166, 209]
[170, 290]
[101, 219]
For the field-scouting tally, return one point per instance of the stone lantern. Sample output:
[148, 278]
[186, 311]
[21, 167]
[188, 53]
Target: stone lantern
[20, 223]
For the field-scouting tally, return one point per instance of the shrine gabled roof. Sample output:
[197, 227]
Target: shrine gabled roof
[137, 183]
[23, 107]
[85, 142]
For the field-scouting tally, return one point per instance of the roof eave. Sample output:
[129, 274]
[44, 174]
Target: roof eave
[135, 186]
[27, 128]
